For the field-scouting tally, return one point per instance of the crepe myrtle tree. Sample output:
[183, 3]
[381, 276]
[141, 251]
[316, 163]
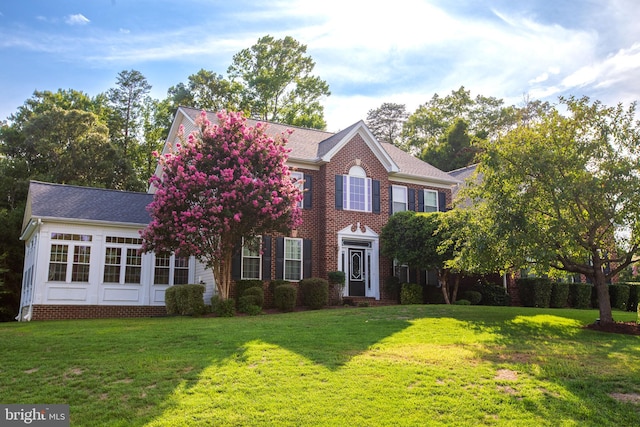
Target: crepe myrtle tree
[224, 182]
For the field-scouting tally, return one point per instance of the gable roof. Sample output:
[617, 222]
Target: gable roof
[314, 146]
[70, 202]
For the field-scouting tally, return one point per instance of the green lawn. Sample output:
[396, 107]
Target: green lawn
[400, 365]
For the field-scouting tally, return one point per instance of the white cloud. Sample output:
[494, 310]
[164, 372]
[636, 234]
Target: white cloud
[77, 19]
[124, 31]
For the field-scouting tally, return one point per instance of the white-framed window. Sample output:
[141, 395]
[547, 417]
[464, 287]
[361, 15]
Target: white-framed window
[292, 259]
[122, 262]
[298, 180]
[430, 201]
[401, 271]
[171, 270]
[70, 261]
[400, 200]
[251, 258]
[356, 190]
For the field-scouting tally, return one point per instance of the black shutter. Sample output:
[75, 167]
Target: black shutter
[306, 202]
[236, 262]
[413, 275]
[339, 192]
[375, 196]
[306, 259]
[411, 195]
[442, 201]
[279, 257]
[266, 257]
[390, 200]
[420, 200]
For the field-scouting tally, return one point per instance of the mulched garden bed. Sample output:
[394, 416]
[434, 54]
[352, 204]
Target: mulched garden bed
[628, 328]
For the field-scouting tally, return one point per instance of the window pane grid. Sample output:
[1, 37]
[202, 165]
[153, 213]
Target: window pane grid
[133, 268]
[161, 272]
[81, 261]
[112, 265]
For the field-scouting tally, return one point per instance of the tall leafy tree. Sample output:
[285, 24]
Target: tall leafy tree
[225, 182]
[126, 101]
[386, 122]
[422, 241]
[456, 148]
[276, 75]
[563, 193]
[486, 118]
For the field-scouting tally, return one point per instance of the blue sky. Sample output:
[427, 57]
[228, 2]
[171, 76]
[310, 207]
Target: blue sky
[369, 52]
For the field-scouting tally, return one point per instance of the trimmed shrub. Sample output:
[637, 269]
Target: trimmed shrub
[493, 294]
[559, 295]
[243, 285]
[336, 277]
[284, 297]
[535, 292]
[185, 300]
[462, 302]
[256, 292]
[226, 308]
[249, 304]
[315, 292]
[634, 295]
[411, 293]
[580, 295]
[474, 297]
[391, 288]
[432, 295]
[619, 295]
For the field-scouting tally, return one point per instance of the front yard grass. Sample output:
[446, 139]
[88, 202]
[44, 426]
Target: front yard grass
[386, 366]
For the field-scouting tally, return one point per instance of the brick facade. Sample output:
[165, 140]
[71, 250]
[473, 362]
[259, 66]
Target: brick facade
[62, 312]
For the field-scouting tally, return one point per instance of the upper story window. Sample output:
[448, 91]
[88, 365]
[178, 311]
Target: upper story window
[356, 195]
[400, 200]
[430, 201]
[298, 181]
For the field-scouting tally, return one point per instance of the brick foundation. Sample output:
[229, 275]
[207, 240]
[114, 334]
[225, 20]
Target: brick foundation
[64, 312]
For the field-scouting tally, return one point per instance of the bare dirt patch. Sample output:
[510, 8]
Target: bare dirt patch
[506, 374]
[626, 397]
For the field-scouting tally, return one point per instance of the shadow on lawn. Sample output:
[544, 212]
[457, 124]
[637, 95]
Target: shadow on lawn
[585, 368]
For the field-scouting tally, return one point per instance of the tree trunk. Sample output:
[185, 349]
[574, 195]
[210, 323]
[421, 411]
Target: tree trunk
[456, 285]
[222, 273]
[602, 290]
[442, 279]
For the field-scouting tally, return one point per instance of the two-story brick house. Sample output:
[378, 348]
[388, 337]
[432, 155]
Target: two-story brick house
[80, 242]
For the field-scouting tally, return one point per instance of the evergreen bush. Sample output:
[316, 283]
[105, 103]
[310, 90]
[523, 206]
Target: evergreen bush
[411, 293]
[634, 295]
[474, 297]
[535, 292]
[256, 292]
[315, 292]
[580, 295]
[619, 295]
[185, 300]
[493, 294]
[559, 295]
[221, 308]
[284, 297]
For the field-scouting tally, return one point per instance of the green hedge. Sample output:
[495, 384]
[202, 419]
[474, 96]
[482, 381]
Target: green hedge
[493, 294]
[411, 293]
[619, 295]
[474, 297]
[431, 294]
[559, 295]
[634, 296]
[535, 292]
[226, 308]
[580, 295]
[315, 292]
[243, 285]
[257, 293]
[284, 297]
[185, 300]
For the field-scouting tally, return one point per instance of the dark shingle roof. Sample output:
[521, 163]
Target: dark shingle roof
[48, 200]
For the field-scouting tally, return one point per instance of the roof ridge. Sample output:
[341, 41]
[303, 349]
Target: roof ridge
[84, 187]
